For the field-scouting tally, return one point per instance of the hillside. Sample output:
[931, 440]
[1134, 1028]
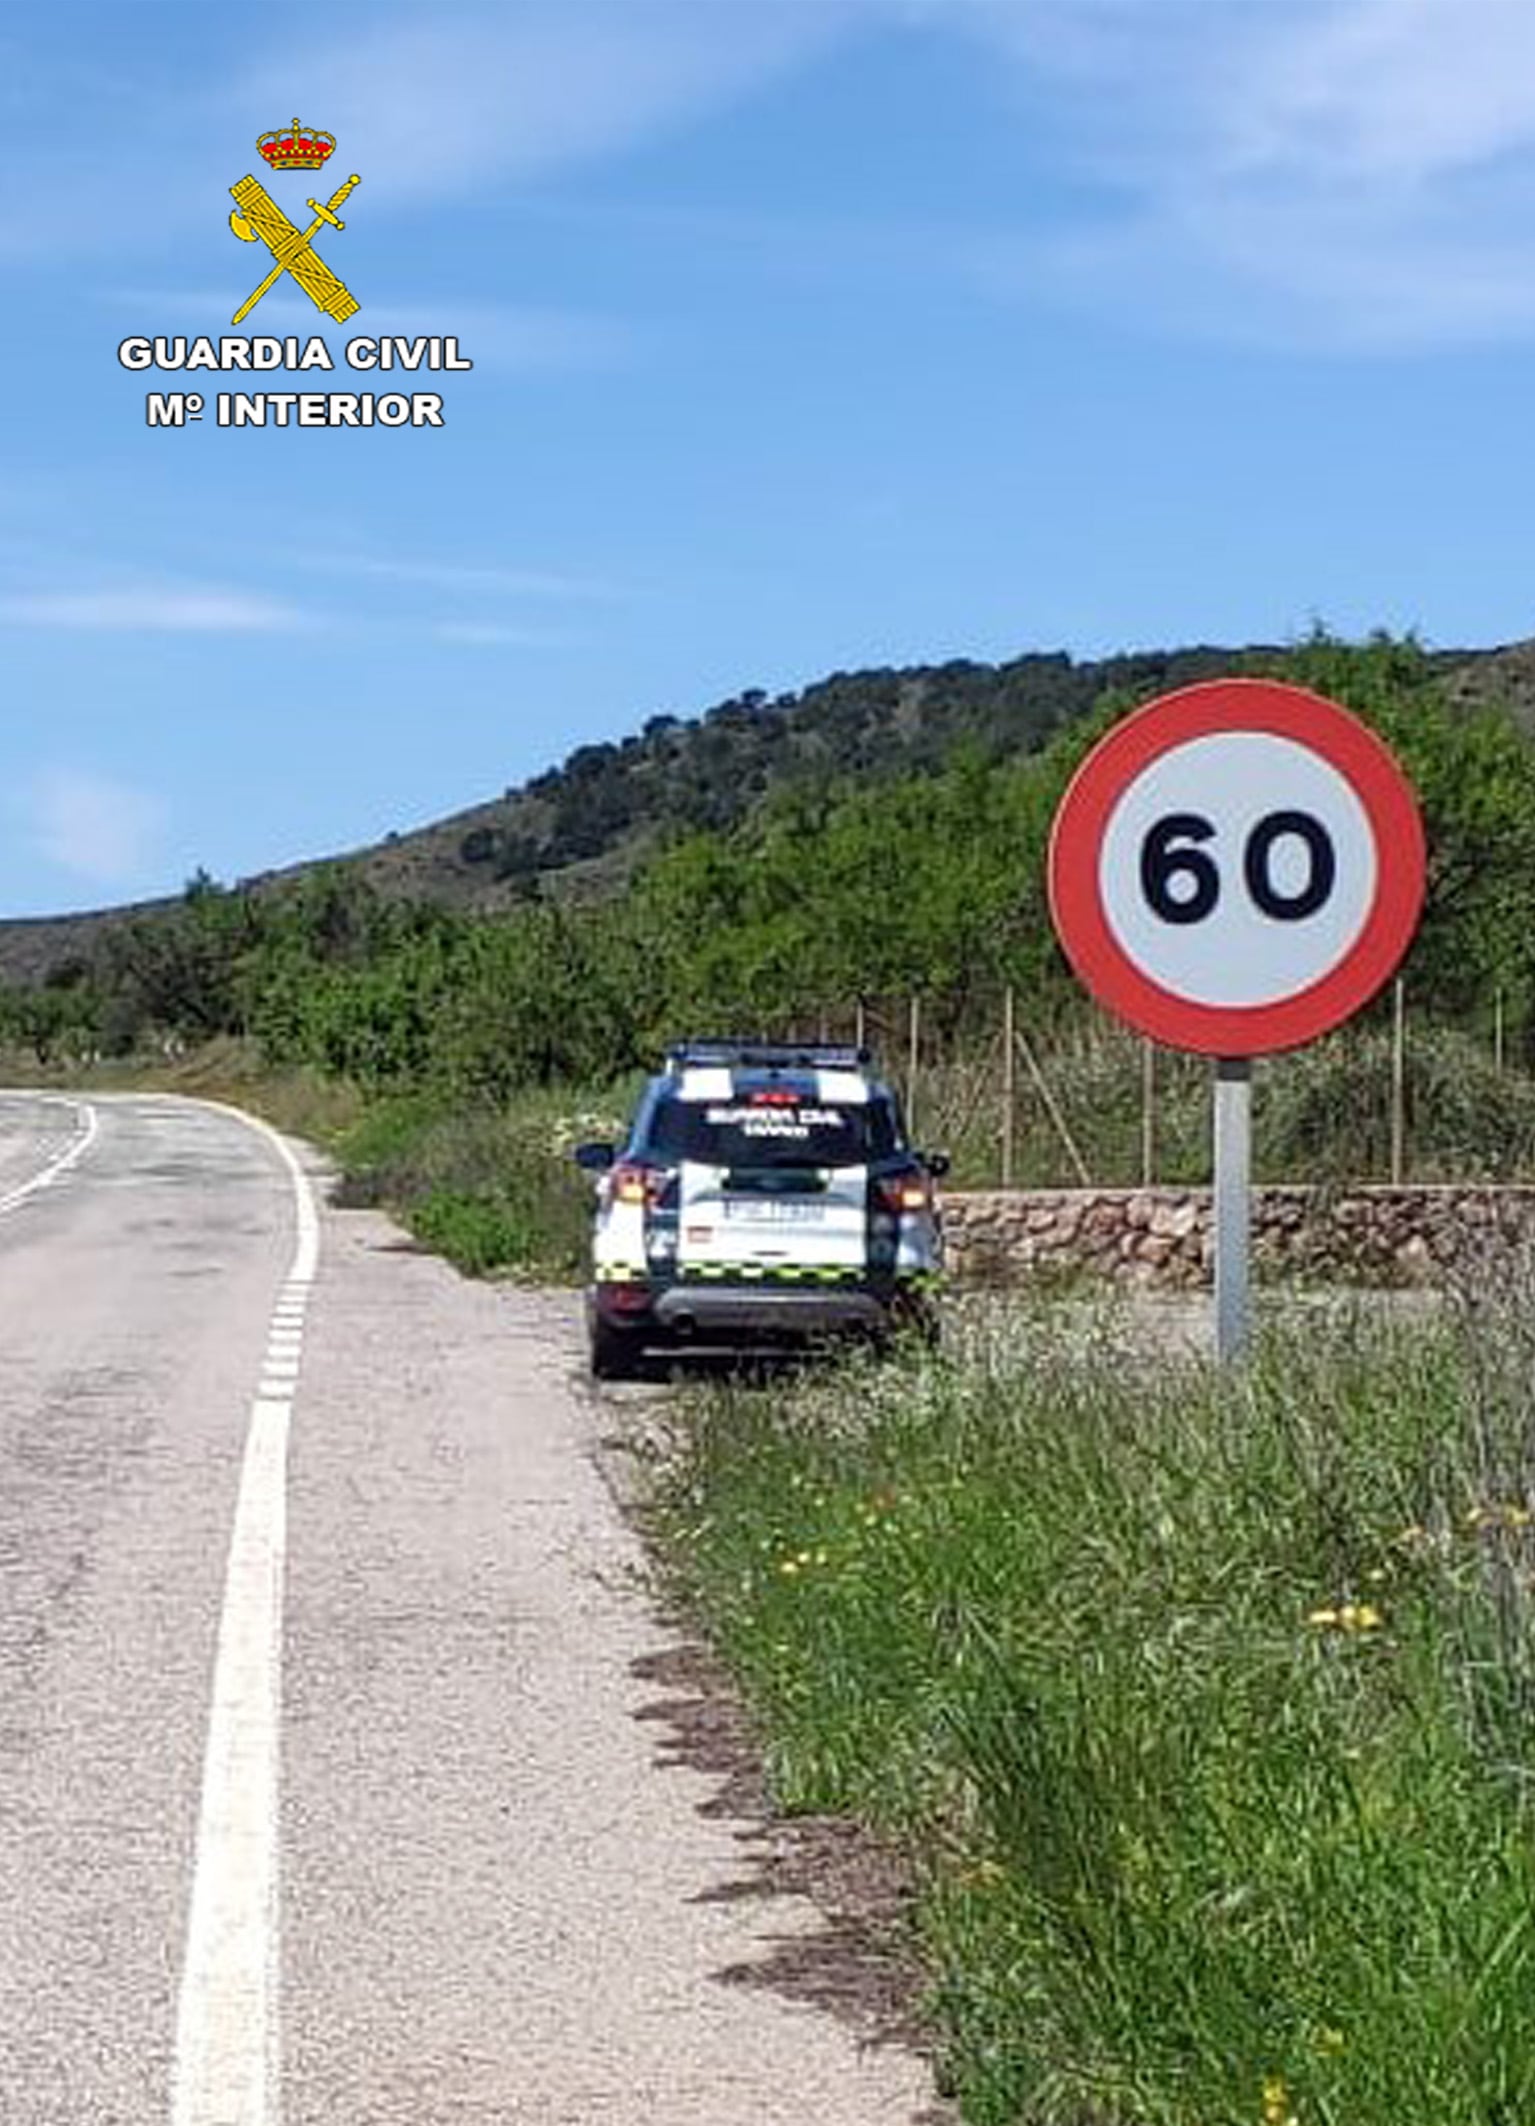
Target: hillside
[576, 830]
[1502, 679]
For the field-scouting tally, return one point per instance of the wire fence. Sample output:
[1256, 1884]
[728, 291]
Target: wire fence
[1395, 1097]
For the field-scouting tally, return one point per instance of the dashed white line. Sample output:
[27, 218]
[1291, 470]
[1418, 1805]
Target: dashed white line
[227, 2068]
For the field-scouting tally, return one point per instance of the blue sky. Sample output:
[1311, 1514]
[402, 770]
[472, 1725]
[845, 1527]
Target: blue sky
[808, 334]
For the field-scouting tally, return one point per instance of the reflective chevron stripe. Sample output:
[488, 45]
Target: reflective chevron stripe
[795, 1273]
[762, 1273]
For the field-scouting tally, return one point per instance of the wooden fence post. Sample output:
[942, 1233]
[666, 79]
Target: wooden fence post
[1398, 1080]
[1009, 1084]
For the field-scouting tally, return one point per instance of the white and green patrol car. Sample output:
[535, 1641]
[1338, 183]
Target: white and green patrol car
[764, 1193]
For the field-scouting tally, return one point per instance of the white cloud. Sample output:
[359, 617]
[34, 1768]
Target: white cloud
[1354, 173]
[96, 828]
[432, 109]
[150, 608]
[1391, 93]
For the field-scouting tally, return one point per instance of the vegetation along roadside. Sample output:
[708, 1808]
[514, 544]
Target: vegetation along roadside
[1204, 1707]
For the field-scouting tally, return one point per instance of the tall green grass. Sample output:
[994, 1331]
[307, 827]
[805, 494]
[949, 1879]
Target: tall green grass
[1206, 1707]
[493, 1188]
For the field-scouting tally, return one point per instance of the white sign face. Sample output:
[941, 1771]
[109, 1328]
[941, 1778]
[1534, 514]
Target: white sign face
[1237, 869]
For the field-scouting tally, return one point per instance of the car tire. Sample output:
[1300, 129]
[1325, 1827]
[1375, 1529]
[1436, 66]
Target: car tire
[616, 1354]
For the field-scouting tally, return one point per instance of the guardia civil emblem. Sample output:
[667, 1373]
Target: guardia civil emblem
[256, 213]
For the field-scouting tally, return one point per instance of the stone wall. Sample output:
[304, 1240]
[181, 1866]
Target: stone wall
[1360, 1234]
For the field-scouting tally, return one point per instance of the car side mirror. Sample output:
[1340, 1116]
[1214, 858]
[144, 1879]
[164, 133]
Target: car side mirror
[937, 1163]
[595, 1158]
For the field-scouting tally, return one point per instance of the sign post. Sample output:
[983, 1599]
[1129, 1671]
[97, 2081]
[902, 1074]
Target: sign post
[1233, 1205]
[1235, 869]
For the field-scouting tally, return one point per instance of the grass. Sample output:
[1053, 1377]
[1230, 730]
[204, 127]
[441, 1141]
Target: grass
[1205, 1707]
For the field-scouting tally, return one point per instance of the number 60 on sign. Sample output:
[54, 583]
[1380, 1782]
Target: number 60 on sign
[1237, 867]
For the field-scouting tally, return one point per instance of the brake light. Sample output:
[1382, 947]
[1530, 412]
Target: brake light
[905, 1192]
[633, 1183]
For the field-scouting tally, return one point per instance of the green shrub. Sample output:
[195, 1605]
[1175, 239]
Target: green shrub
[491, 1188]
[1326, 1111]
[477, 1233]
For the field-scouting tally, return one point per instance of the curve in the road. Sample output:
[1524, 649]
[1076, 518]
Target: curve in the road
[74, 1151]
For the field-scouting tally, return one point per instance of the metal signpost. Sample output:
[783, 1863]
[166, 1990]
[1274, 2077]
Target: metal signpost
[1236, 868]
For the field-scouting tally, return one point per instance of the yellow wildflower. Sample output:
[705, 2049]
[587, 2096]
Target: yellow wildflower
[1351, 1616]
[1498, 1516]
[1276, 2102]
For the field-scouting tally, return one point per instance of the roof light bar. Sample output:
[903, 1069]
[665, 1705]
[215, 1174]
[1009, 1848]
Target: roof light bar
[768, 1055]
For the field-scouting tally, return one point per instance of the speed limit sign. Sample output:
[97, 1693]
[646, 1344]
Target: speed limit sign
[1237, 867]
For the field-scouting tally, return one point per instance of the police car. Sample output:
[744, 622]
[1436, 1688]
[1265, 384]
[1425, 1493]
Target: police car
[764, 1193]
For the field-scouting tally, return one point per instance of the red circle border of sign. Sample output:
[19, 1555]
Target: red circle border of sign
[1283, 711]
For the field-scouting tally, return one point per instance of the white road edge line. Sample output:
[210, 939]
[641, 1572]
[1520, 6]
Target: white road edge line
[227, 2068]
[66, 1158]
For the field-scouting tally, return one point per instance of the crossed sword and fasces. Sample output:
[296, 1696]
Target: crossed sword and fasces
[258, 214]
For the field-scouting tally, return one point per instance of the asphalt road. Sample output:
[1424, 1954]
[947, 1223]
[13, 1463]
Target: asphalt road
[329, 1789]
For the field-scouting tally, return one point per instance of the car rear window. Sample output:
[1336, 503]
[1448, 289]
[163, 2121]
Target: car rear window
[785, 1131]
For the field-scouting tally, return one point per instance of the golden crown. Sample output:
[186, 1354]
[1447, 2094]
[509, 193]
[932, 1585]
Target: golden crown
[299, 148]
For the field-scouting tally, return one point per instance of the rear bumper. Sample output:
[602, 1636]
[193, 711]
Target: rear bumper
[710, 1309]
[704, 1311]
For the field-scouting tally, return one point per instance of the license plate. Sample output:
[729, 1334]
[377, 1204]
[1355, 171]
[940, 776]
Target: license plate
[765, 1211]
